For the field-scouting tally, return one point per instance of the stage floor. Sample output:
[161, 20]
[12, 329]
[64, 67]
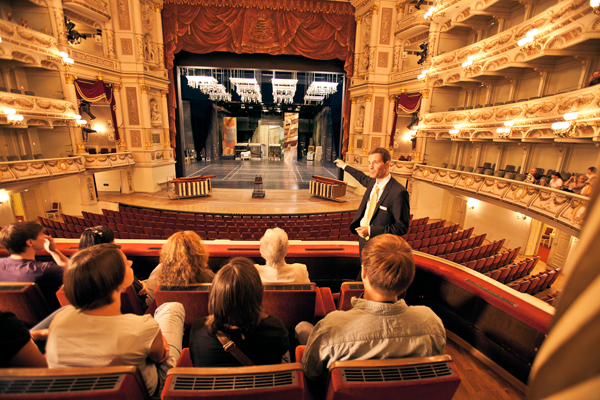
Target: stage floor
[236, 174]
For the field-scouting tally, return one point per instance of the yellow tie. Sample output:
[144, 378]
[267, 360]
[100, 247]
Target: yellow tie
[371, 209]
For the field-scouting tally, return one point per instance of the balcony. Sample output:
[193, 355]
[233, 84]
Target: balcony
[151, 158]
[543, 203]
[404, 168]
[95, 10]
[92, 61]
[414, 24]
[406, 75]
[564, 31]
[37, 111]
[104, 161]
[532, 119]
[28, 46]
[16, 171]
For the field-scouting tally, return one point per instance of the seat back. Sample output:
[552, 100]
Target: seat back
[292, 303]
[265, 382]
[25, 300]
[194, 299]
[129, 303]
[348, 290]
[432, 378]
[102, 383]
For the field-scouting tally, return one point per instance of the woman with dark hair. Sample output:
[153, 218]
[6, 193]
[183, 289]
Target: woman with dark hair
[103, 234]
[235, 308]
[92, 332]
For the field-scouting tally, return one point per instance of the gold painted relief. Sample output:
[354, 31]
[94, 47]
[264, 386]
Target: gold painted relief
[383, 59]
[126, 47]
[378, 114]
[124, 20]
[132, 106]
[386, 26]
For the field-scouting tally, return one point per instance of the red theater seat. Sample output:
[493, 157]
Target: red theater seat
[95, 383]
[25, 300]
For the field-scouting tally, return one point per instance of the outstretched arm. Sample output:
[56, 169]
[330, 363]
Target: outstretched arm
[58, 257]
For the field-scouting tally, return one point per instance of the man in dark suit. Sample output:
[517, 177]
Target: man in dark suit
[385, 206]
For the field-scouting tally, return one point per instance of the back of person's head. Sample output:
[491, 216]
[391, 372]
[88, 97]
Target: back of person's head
[14, 237]
[543, 181]
[235, 298]
[592, 170]
[97, 235]
[274, 245]
[388, 263]
[92, 276]
[385, 154]
[184, 260]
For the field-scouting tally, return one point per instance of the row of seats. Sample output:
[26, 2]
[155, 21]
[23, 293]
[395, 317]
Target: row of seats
[500, 103]
[442, 230]
[24, 157]
[470, 254]
[536, 283]
[491, 262]
[461, 245]
[424, 228]
[441, 239]
[513, 271]
[551, 298]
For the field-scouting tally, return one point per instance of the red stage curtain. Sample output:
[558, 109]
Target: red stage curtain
[96, 91]
[408, 104]
[321, 30]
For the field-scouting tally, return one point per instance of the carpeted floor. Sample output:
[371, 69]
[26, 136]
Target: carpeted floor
[543, 252]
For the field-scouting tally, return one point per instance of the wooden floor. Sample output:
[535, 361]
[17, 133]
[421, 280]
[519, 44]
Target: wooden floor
[237, 201]
[478, 381]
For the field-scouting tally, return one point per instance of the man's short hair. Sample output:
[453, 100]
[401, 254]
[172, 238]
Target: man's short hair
[14, 236]
[593, 169]
[274, 244]
[93, 275]
[385, 155]
[388, 263]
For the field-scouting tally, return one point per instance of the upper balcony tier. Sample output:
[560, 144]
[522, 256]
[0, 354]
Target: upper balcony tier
[412, 24]
[28, 46]
[37, 111]
[567, 29]
[96, 10]
[532, 119]
[465, 15]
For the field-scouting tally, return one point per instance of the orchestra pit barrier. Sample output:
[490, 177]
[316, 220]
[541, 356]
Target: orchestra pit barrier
[327, 188]
[183, 188]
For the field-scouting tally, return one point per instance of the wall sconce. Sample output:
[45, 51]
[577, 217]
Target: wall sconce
[81, 121]
[595, 4]
[12, 116]
[429, 14]
[469, 61]
[423, 74]
[66, 60]
[471, 204]
[521, 216]
[564, 129]
[503, 133]
[4, 197]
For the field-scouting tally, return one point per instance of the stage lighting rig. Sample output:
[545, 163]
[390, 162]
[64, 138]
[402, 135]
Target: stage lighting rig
[422, 54]
[85, 107]
[73, 36]
[418, 5]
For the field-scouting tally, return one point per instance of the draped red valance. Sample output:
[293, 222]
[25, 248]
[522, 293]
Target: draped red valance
[98, 91]
[408, 104]
[321, 30]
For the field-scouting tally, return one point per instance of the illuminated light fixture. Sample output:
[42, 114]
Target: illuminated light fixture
[529, 37]
[457, 126]
[423, 74]
[561, 125]
[204, 83]
[471, 203]
[521, 216]
[284, 90]
[63, 54]
[467, 63]
[10, 111]
[595, 4]
[415, 127]
[321, 88]
[317, 99]
[14, 118]
[76, 116]
[218, 93]
[503, 133]
[81, 121]
[4, 196]
[570, 116]
[509, 123]
[408, 137]
[248, 89]
[429, 13]
[412, 133]
[453, 133]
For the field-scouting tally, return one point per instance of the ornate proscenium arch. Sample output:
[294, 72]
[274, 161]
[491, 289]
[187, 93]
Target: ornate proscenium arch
[320, 30]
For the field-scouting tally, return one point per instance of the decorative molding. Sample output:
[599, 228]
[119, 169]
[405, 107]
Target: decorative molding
[124, 19]
[382, 60]
[386, 26]
[132, 105]
[117, 87]
[136, 138]
[70, 79]
[378, 114]
[375, 142]
[164, 93]
[144, 89]
[353, 100]
[126, 47]
[368, 97]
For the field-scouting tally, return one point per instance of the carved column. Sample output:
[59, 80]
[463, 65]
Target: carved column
[120, 117]
[165, 118]
[501, 149]
[127, 181]
[586, 70]
[351, 135]
[71, 95]
[525, 161]
[434, 39]
[57, 20]
[145, 114]
[397, 58]
[562, 157]
[357, 46]
[425, 101]
[158, 35]
[87, 189]
[477, 158]
[374, 39]
[390, 120]
[543, 83]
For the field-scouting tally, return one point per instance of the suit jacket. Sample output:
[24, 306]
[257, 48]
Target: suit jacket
[392, 213]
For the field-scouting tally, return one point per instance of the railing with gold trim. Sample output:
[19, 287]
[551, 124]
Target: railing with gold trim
[112, 160]
[13, 171]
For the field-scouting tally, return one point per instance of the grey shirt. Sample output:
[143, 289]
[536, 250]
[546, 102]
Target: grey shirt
[373, 330]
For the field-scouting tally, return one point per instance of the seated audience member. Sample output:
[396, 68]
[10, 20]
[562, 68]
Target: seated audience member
[543, 181]
[103, 234]
[92, 332]
[183, 261]
[274, 246]
[589, 188]
[18, 349]
[575, 185]
[24, 23]
[533, 176]
[23, 240]
[378, 325]
[556, 182]
[9, 17]
[235, 308]
[595, 79]
[591, 172]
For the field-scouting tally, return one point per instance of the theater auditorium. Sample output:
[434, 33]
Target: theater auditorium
[225, 117]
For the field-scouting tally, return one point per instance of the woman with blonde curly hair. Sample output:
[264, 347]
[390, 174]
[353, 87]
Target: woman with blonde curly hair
[183, 261]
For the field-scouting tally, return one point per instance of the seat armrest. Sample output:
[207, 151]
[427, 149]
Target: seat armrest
[300, 353]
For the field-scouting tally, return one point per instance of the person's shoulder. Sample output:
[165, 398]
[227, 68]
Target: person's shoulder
[272, 321]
